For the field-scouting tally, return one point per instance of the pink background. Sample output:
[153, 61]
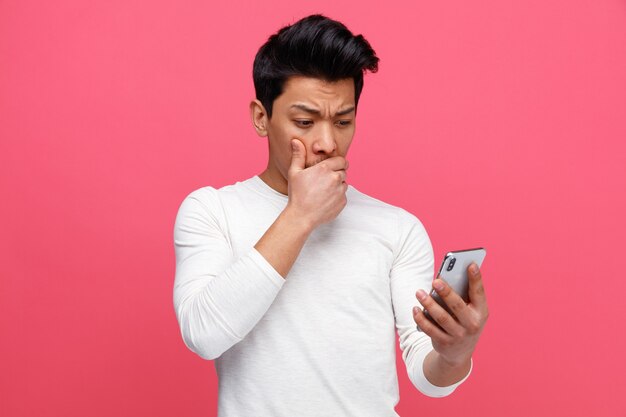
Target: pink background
[498, 123]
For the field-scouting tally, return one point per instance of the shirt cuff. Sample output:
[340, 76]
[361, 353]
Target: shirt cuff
[267, 268]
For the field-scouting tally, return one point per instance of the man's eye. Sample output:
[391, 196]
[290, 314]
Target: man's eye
[344, 122]
[304, 123]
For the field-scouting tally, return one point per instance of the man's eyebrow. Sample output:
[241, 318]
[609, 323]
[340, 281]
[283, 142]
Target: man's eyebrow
[346, 111]
[305, 108]
[316, 111]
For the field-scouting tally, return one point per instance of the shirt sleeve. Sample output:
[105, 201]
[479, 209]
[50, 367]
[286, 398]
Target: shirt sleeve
[412, 269]
[218, 299]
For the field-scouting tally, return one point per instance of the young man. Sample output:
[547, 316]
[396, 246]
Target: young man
[295, 282]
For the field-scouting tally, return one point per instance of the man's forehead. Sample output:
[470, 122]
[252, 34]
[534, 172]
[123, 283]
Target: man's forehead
[300, 93]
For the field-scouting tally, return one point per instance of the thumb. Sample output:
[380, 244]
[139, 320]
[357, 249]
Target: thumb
[298, 155]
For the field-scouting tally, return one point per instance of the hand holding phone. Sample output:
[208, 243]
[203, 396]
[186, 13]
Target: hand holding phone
[453, 270]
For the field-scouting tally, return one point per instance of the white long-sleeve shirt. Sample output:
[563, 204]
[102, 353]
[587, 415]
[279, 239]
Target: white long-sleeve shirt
[320, 342]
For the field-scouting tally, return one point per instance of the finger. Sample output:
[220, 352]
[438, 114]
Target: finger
[454, 302]
[335, 163]
[476, 289]
[298, 156]
[425, 325]
[341, 176]
[439, 314]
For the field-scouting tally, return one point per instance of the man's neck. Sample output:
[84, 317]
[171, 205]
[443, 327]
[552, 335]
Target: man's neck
[275, 180]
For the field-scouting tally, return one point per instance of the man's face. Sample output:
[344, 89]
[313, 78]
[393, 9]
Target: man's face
[320, 114]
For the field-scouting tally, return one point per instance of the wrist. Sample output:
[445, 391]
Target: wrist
[454, 363]
[443, 373]
[297, 221]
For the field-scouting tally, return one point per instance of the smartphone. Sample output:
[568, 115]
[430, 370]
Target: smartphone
[453, 270]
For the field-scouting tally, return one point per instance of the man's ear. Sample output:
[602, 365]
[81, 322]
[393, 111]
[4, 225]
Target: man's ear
[259, 117]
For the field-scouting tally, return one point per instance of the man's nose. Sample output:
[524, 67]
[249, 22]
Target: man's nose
[325, 141]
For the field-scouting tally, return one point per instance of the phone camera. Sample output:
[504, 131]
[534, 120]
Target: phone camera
[451, 264]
